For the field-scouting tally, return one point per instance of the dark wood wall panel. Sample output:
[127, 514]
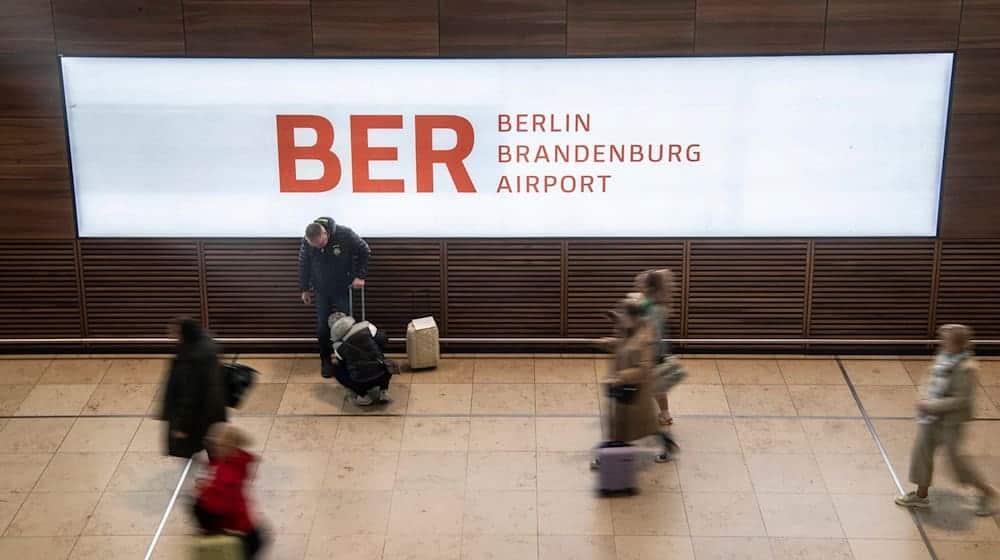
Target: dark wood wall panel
[980, 24]
[39, 294]
[29, 86]
[893, 25]
[26, 27]
[760, 26]
[969, 286]
[404, 282]
[503, 27]
[977, 73]
[248, 27]
[375, 27]
[599, 273]
[253, 289]
[120, 27]
[747, 288]
[630, 27]
[34, 180]
[133, 288]
[877, 289]
[504, 288]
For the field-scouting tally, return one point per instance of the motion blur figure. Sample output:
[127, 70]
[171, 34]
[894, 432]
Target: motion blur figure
[656, 287]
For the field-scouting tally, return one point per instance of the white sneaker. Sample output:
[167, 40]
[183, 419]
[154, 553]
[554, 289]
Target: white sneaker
[912, 500]
[383, 397]
[363, 400]
[984, 506]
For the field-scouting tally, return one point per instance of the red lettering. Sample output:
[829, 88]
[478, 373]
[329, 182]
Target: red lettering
[452, 158]
[636, 154]
[503, 122]
[538, 123]
[503, 153]
[531, 183]
[362, 154]
[522, 122]
[675, 152]
[289, 153]
[522, 153]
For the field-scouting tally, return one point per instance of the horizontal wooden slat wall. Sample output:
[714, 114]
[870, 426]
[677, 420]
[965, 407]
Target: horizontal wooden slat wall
[39, 292]
[601, 272]
[504, 288]
[404, 282]
[135, 287]
[878, 289]
[749, 288]
[969, 286]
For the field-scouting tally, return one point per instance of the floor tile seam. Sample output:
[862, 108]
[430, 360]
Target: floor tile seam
[754, 492]
[476, 415]
[155, 540]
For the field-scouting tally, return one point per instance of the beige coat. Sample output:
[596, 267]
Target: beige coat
[633, 364]
[956, 406]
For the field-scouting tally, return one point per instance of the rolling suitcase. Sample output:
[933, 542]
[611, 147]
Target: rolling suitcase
[617, 462]
[217, 547]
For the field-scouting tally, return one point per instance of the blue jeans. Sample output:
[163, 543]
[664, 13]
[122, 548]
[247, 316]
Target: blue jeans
[325, 305]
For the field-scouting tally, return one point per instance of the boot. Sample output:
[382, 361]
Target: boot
[327, 367]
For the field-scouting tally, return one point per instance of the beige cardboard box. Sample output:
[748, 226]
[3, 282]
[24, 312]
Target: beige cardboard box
[423, 348]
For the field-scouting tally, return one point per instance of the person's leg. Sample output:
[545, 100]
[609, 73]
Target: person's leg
[664, 417]
[965, 472]
[252, 543]
[207, 521]
[921, 466]
[669, 446]
[324, 307]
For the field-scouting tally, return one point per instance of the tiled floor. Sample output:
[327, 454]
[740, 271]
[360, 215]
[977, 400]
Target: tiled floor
[486, 458]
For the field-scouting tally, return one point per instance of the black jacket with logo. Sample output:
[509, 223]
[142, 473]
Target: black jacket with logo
[331, 269]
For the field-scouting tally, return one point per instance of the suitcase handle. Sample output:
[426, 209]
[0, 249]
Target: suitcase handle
[350, 299]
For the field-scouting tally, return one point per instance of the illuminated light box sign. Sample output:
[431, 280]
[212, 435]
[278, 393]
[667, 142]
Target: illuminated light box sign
[846, 145]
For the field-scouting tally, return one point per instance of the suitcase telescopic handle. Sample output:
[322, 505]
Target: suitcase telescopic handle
[350, 299]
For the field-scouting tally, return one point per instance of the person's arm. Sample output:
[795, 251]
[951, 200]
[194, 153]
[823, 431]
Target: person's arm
[362, 254]
[217, 494]
[960, 395]
[305, 255]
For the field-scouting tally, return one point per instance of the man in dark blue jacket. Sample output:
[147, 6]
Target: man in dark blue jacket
[332, 259]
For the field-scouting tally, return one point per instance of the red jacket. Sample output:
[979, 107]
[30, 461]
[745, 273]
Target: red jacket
[223, 494]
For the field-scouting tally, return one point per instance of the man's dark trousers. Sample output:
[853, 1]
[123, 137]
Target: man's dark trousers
[325, 305]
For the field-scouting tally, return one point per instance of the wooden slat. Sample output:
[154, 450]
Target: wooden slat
[977, 74]
[404, 282]
[630, 27]
[34, 180]
[26, 27]
[972, 177]
[601, 272]
[892, 25]
[746, 288]
[980, 24]
[135, 287]
[503, 27]
[119, 27]
[879, 288]
[969, 286]
[375, 28]
[29, 86]
[760, 26]
[504, 288]
[248, 27]
[39, 294]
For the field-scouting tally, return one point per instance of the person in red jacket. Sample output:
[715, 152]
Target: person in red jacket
[220, 503]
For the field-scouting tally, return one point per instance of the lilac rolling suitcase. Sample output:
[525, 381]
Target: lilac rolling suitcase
[617, 465]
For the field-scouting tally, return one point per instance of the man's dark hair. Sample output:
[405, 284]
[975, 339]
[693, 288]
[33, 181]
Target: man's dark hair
[313, 231]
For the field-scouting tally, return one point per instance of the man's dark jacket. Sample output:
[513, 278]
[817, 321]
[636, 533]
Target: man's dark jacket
[331, 269]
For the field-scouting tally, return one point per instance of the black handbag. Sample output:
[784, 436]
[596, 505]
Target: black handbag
[238, 378]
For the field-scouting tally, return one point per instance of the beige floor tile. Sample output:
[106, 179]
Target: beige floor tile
[981, 438]
[47, 514]
[136, 371]
[75, 372]
[11, 397]
[146, 472]
[299, 470]
[567, 434]
[427, 512]
[786, 474]
[576, 548]
[311, 398]
[285, 547]
[432, 470]
[440, 398]
[505, 370]
[352, 513]
[436, 434]
[918, 369]
[370, 434]
[732, 548]
[55, 400]
[551, 370]
[302, 434]
[823, 400]
[566, 398]
[407, 547]
[34, 435]
[983, 405]
[567, 471]
[361, 470]
[305, 370]
[811, 549]
[22, 372]
[500, 512]
[650, 514]
[96, 435]
[9, 504]
[128, 514]
[838, 436]
[36, 548]
[503, 398]
[701, 372]
[271, 370]
[102, 548]
[874, 517]
[687, 398]
[450, 370]
[888, 401]
[951, 518]
[499, 547]
[351, 547]
[856, 474]
[811, 372]
[897, 436]
[723, 514]
[654, 548]
[258, 429]
[988, 374]
[78, 472]
[503, 470]
[966, 550]
[772, 435]
[150, 437]
[885, 549]
[171, 547]
[120, 399]
[800, 516]
[706, 434]
[21, 471]
[287, 512]
[750, 372]
[760, 400]
[263, 399]
[659, 477]
[573, 513]
[877, 372]
[713, 472]
[502, 434]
